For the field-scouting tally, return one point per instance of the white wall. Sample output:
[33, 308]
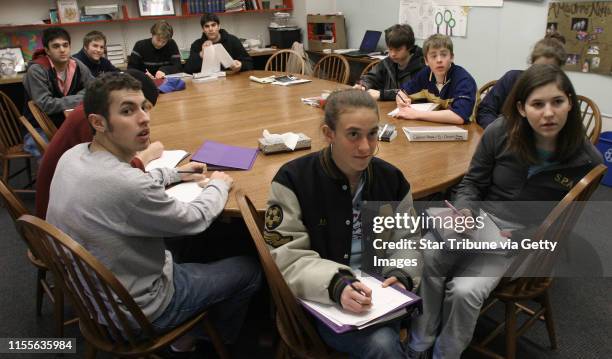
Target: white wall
[498, 39]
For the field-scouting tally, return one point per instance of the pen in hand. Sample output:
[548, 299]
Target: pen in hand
[399, 94]
[199, 171]
[455, 210]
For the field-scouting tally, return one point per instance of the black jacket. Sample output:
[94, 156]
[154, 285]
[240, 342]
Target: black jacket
[146, 57]
[491, 106]
[387, 77]
[96, 68]
[232, 45]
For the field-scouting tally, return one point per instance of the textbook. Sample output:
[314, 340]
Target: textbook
[436, 133]
[425, 106]
[219, 156]
[387, 304]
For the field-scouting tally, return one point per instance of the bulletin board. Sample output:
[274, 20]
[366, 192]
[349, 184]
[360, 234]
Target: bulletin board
[587, 27]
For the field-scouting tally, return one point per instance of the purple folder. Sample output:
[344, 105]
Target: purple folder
[218, 156]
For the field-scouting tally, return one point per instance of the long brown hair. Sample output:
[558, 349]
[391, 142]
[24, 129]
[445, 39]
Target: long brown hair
[521, 138]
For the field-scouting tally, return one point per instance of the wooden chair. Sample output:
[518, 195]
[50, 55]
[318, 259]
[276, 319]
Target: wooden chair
[480, 95]
[43, 120]
[299, 337]
[41, 143]
[286, 61]
[16, 209]
[557, 225]
[96, 293]
[591, 118]
[369, 67]
[11, 142]
[332, 67]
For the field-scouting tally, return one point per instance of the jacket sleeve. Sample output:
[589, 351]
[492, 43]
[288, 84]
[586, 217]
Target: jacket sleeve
[243, 56]
[477, 180]
[135, 60]
[464, 98]
[194, 62]
[175, 58]
[36, 83]
[491, 106]
[307, 274]
[86, 76]
[375, 78]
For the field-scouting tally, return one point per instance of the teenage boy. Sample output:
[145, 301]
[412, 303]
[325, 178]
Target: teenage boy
[404, 61]
[158, 56]
[92, 54]
[55, 81]
[441, 81]
[213, 34]
[120, 209]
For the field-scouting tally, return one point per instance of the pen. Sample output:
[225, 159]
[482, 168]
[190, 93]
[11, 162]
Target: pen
[449, 205]
[355, 288]
[382, 132]
[191, 171]
[401, 91]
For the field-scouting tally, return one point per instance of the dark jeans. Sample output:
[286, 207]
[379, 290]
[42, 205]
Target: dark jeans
[225, 287]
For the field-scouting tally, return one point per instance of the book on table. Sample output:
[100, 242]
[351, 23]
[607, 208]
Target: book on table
[424, 106]
[168, 159]
[219, 156]
[387, 304]
[436, 133]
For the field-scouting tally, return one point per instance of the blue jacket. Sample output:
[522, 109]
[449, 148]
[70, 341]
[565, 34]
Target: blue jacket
[96, 68]
[491, 106]
[459, 86]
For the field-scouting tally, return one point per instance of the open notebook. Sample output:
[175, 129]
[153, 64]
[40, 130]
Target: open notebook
[387, 304]
[426, 106]
[168, 159]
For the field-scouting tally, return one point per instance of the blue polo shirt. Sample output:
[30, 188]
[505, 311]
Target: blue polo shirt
[459, 86]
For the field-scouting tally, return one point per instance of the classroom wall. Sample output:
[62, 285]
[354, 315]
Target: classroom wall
[498, 39]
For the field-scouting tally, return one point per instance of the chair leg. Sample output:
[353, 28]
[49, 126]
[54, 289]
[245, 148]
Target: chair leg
[58, 310]
[215, 339]
[550, 324]
[29, 171]
[5, 170]
[510, 330]
[90, 351]
[39, 290]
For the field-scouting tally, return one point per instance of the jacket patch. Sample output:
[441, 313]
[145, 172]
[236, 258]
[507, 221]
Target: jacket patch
[275, 239]
[274, 217]
[564, 181]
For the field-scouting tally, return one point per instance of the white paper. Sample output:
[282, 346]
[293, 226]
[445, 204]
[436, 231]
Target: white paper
[428, 17]
[223, 56]
[178, 75]
[185, 192]
[384, 300]
[168, 159]
[290, 139]
[424, 107]
[210, 62]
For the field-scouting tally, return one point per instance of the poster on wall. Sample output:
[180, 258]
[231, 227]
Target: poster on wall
[587, 27]
[28, 41]
[427, 18]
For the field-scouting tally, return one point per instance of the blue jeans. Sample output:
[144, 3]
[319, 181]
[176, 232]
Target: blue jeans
[379, 341]
[224, 287]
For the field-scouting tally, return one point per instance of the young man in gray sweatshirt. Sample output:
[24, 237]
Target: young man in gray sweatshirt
[121, 214]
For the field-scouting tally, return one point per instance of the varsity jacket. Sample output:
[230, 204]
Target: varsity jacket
[146, 57]
[491, 106]
[232, 45]
[387, 76]
[309, 221]
[96, 68]
[40, 83]
[459, 86]
[497, 175]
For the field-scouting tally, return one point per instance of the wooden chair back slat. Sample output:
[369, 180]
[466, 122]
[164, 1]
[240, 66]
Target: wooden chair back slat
[92, 288]
[591, 117]
[480, 95]
[9, 123]
[44, 122]
[41, 144]
[332, 67]
[295, 328]
[286, 61]
[369, 67]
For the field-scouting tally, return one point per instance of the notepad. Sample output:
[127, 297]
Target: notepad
[168, 159]
[387, 304]
[185, 192]
[219, 156]
[426, 106]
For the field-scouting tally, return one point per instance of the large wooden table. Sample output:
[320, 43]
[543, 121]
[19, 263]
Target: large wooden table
[236, 110]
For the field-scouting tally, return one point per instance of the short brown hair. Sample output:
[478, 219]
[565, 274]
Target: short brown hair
[399, 35]
[521, 139]
[93, 36]
[162, 29]
[437, 41]
[550, 47]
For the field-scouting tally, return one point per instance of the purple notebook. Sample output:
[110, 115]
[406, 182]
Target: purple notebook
[218, 156]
